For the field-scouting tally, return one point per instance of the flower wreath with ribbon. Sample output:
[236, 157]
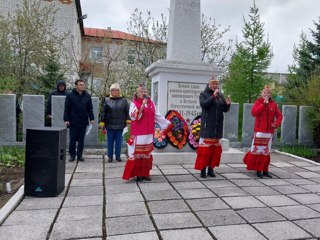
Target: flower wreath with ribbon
[177, 136]
[159, 139]
[194, 132]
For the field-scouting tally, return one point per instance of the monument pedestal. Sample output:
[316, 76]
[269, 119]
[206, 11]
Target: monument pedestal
[174, 82]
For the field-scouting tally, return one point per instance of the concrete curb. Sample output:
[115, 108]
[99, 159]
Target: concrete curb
[11, 204]
[297, 157]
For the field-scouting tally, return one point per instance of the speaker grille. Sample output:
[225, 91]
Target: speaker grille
[45, 161]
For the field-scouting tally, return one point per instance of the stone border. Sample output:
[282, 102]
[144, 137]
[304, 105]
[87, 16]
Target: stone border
[11, 204]
[300, 158]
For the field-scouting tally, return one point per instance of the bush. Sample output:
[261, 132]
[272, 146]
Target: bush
[12, 156]
[299, 150]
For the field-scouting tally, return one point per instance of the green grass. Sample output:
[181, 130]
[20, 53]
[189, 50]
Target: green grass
[299, 150]
[12, 156]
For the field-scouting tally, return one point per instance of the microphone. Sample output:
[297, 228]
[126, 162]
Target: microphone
[219, 93]
[145, 97]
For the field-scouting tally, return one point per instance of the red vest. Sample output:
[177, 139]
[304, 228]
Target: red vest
[145, 125]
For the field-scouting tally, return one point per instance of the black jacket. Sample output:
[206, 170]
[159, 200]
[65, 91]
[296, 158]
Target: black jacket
[115, 113]
[56, 93]
[212, 114]
[78, 109]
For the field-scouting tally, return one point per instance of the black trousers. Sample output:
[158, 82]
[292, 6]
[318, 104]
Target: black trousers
[76, 135]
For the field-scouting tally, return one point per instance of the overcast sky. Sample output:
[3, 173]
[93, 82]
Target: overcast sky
[284, 19]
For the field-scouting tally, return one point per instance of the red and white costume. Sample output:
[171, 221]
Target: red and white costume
[140, 146]
[265, 114]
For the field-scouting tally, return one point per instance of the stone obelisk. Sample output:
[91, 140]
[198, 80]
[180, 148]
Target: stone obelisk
[184, 37]
[178, 80]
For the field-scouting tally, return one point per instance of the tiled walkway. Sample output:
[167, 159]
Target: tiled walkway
[176, 204]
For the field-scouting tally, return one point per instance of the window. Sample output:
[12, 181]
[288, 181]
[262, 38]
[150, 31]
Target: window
[131, 56]
[96, 54]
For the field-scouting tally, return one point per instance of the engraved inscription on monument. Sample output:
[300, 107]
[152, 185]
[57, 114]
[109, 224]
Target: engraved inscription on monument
[184, 98]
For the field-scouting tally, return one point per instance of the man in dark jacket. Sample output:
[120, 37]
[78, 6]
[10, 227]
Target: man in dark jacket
[77, 112]
[213, 106]
[61, 90]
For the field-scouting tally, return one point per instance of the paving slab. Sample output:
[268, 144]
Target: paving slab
[151, 186]
[290, 189]
[80, 201]
[261, 190]
[220, 217]
[276, 200]
[31, 217]
[168, 206]
[85, 175]
[196, 193]
[19, 232]
[125, 209]
[297, 212]
[218, 183]
[181, 178]
[312, 187]
[239, 232]
[310, 225]
[315, 207]
[135, 236]
[176, 220]
[246, 182]
[124, 197]
[202, 204]
[188, 185]
[31, 203]
[255, 215]
[229, 191]
[243, 202]
[299, 181]
[306, 198]
[186, 234]
[129, 224]
[235, 176]
[308, 174]
[80, 229]
[86, 182]
[281, 230]
[273, 182]
[161, 195]
[123, 187]
[174, 171]
[85, 213]
[85, 191]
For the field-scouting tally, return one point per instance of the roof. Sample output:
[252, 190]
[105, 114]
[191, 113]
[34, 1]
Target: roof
[79, 13]
[114, 34]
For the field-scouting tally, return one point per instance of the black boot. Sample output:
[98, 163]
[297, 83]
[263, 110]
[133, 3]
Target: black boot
[146, 178]
[139, 179]
[203, 173]
[211, 172]
[259, 174]
[267, 174]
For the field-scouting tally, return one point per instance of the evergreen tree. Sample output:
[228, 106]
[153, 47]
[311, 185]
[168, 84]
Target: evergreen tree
[52, 73]
[306, 64]
[246, 72]
[299, 71]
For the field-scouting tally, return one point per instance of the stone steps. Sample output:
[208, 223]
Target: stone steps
[230, 156]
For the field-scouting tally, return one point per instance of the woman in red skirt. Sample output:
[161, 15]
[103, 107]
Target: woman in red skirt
[213, 106]
[267, 118]
[143, 116]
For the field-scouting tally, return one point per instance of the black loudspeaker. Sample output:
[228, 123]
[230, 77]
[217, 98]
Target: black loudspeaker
[45, 161]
